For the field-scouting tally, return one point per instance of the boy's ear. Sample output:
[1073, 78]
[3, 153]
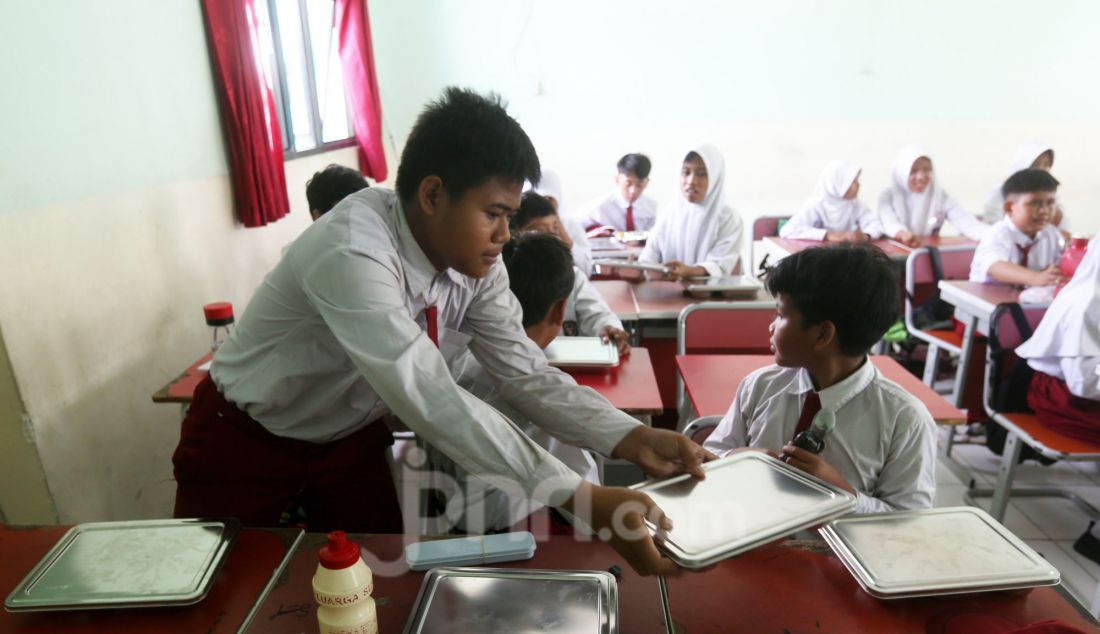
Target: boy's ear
[1007, 206]
[826, 334]
[556, 316]
[430, 194]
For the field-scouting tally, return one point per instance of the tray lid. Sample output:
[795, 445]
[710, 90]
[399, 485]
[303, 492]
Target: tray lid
[747, 499]
[581, 352]
[470, 550]
[935, 551]
[720, 284]
[127, 564]
[491, 600]
[630, 264]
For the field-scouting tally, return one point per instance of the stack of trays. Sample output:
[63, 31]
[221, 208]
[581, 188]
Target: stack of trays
[581, 352]
[935, 552]
[630, 264]
[737, 286]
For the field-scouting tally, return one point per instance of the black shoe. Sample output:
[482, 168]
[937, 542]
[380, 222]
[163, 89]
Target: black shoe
[1088, 545]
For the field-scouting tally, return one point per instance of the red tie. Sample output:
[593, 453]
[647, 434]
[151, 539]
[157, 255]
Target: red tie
[1024, 252]
[431, 314]
[630, 217]
[810, 408]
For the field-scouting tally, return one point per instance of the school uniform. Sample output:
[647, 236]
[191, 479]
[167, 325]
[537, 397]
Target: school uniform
[884, 442]
[827, 209]
[1064, 351]
[1006, 243]
[922, 214]
[708, 234]
[612, 210]
[340, 334]
[993, 207]
[550, 185]
[586, 312]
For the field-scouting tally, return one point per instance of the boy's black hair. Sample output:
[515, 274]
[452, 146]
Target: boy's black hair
[465, 139]
[540, 273]
[855, 286]
[636, 164]
[531, 207]
[1029, 180]
[331, 185]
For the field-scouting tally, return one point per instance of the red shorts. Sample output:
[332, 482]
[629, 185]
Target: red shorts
[1059, 409]
[228, 465]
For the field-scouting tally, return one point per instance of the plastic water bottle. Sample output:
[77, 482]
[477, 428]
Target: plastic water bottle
[342, 587]
[219, 316]
[1074, 253]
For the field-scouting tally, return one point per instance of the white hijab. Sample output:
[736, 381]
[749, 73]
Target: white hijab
[921, 213]
[1027, 153]
[828, 196]
[696, 224]
[1071, 326]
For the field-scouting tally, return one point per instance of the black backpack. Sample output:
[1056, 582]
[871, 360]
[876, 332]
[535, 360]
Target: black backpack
[933, 313]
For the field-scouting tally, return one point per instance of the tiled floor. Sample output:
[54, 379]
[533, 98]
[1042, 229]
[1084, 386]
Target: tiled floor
[1049, 525]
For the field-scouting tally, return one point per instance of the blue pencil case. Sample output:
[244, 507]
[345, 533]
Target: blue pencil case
[470, 551]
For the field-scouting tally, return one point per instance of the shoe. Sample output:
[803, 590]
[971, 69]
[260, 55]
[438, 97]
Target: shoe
[1088, 545]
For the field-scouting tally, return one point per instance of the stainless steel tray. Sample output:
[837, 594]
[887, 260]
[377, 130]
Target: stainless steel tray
[127, 564]
[630, 264]
[740, 284]
[936, 551]
[513, 601]
[747, 500]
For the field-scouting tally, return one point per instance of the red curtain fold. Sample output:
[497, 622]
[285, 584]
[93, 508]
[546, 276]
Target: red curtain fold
[361, 85]
[248, 111]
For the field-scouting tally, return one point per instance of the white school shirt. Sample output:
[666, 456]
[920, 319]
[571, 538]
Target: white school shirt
[582, 248]
[586, 308]
[610, 210]
[1002, 244]
[334, 338]
[884, 442]
[827, 209]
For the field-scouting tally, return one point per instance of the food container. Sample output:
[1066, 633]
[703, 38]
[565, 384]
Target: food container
[747, 499]
[936, 551]
[742, 286]
[127, 565]
[582, 353]
[492, 600]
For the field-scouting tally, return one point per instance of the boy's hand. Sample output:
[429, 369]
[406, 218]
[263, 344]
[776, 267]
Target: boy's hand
[907, 238]
[815, 465]
[621, 338]
[662, 452]
[1047, 277]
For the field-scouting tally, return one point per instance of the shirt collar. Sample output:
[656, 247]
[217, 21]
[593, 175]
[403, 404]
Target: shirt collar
[836, 396]
[621, 201]
[1019, 237]
[419, 271]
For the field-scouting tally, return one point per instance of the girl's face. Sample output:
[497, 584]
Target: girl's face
[853, 190]
[920, 176]
[693, 179]
[1044, 162]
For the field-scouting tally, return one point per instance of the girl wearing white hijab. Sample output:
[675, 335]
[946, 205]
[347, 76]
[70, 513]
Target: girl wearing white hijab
[917, 206]
[1034, 154]
[698, 234]
[834, 212]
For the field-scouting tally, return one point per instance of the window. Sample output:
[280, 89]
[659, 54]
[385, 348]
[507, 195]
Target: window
[302, 59]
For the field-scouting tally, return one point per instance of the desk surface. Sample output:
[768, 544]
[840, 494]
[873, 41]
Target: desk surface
[711, 382]
[619, 295]
[895, 250]
[663, 299]
[976, 298]
[252, 561]
[183, 387]
[631, 387]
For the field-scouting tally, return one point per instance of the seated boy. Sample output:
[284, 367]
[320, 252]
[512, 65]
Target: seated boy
[1022, 248]
[541, 275]
[330, 186]
[833, 304]
[586, 314]
[549, 187]
[625, 208]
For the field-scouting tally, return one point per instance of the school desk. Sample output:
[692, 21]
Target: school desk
[619, 295]
[711, 382]
[251, 565]
[779, 248]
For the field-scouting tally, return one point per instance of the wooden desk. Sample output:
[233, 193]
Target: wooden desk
[663, 300]
[779, 248]
[619, 295]
[290, 607]
[254, 559]
[631, 387]
[711, 382]
[798, 586]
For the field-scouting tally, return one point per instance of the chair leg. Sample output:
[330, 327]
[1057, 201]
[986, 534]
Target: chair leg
[930, 364]
[1003, 488]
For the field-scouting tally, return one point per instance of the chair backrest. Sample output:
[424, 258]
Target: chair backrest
[1009, 326]
[765, 226]
[699, 429]
[725, 328]
[920, 278]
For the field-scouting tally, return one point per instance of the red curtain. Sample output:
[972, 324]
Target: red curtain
[361, 85]
[248, 111]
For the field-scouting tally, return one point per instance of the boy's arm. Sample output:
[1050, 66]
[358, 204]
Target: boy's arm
[732, 432]
[1009, 273]
[802, 226]
[908, 477]
[593, 313]
[724, 254]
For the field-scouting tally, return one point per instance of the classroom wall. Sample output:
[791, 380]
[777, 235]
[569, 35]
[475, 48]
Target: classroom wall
[781, 87]
[116, 226]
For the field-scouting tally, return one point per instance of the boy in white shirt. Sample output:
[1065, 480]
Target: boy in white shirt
[361, 317]
[1022, 249]
[331, 185]
[586, 313]
[625, 208]
[833, 304]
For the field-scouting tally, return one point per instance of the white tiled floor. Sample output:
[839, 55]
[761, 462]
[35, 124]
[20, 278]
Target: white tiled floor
[1049, 525]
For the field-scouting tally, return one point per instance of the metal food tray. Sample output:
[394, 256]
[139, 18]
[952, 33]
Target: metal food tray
[581, 352]
[933, 552]
[151, 563]
[504, 600]
[747, 500]
[630, 264]
[729, 286]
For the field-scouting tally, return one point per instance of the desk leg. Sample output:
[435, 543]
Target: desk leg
[963, 369]
[1003, 488]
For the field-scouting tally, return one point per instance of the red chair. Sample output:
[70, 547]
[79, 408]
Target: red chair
[763, 227]
[1009, 326]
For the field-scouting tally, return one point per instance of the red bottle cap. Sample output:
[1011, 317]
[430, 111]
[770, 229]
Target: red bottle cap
[339, 553]
[218, 313]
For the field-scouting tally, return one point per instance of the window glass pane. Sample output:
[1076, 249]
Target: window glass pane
[331, 102]
[269, 63]
[294, 63]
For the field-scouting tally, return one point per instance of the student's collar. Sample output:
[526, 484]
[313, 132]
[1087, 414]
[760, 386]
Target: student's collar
[1018, 236]
[420, 273]
[836, 396]
[621, 200]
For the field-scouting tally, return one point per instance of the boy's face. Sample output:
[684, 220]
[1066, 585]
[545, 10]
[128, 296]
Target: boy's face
[1044, 162]
[693, 180]
[550, 225]
[920, 176]
[792, 345]
[630, 186]
[469, 233]
[1032, 211]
